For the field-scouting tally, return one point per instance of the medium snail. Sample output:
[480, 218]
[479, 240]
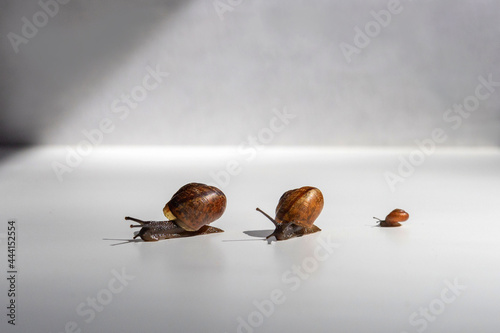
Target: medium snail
[296, 212]
[393, 219]
[189, 212]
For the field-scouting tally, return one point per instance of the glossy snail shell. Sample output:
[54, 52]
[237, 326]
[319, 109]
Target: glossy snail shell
[195, 205]
[301, 206]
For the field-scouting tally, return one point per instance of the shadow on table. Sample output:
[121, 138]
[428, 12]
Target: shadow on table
[123, 241]
[258, 233]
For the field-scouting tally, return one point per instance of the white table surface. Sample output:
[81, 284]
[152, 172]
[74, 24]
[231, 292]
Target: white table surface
[70, 243]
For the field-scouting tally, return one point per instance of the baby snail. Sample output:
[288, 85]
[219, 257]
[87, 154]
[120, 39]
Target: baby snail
[296, 212]
[393, 219]
[189, 212]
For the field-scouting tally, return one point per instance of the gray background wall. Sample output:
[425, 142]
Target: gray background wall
[229, 71]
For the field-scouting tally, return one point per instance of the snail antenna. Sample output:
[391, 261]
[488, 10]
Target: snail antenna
[139, 226]
[269, 217]
[136, 220]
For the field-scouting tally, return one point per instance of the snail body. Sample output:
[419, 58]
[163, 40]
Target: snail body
[189, 212]
[296, 212]
[394, 217]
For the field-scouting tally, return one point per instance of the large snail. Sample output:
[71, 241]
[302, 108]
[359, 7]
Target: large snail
[393, 219]
[296, 212]
[189, 212]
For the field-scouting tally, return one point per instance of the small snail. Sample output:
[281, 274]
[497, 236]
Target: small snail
[393, 219]
[296, 212]
[189, 212]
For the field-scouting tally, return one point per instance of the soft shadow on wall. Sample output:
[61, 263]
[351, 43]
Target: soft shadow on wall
[229, 75]
[73, 48]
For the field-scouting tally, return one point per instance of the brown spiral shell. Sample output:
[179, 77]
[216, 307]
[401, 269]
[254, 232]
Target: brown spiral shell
[195, 205]
[301, 206]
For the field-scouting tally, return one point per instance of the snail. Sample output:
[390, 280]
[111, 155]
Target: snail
[393, 219]
[296, 212]
[189, 212]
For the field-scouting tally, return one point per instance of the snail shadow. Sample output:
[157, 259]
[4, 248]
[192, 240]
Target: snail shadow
[123, 241]
[258, 233]
[262, 234]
